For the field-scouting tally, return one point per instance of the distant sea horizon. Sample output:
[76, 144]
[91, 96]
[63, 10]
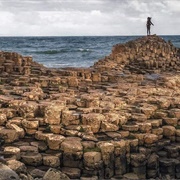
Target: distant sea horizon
[83, 35]
[69, 51]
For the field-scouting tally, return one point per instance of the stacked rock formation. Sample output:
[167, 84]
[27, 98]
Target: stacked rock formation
[146, 54]
[14, 63]
[101, 122]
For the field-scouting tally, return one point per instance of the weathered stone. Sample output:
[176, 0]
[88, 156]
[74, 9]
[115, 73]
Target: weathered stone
[30, 131]
[9, 135]
[107, 150]
[157, 131]
[27, 148]
[56, 129]
[96, 77]
[174, 113]
[133, 143]
[73, 160]
[123, 119]
[72, 133]
[39, 135]
[28, 109]
[52, 161]
[145, 127]
[92, 159]
[120, 158]
[113, 118]
[72, 173]
[7, 174]
[106, 126]
[140, 171]
[151, 173]
[55, 175]
[155, 123]
[17, 166]
[153, 162]
[172, 151]
[169, 131]
[42, 146]
[124, 134]
[3, 119]
[88, 144]
[91, 101]
[94, 120]
[70, 118]
[162, 153]
[178, 132]
[33, 159]
[73, 82]
[139, 117]
[13, 150]
[53, 112]
[10, 112]
[71, 145]
[107, 105]
[159, 114]
[89, 178]
[131, 176]
[138, 160]
[20, 131]
[171, 121]
[139, 136]
[150, 138]
[30, 123]
[14, 120]
[167, 167]
[54, 141]
[26, 177]
[37, 173]
[35, 94]
[114, 135]
[130, 128]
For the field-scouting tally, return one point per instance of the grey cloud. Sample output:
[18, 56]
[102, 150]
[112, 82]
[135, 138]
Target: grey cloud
[129, 7]
[51, 5]
[89, 17]
[60, 5]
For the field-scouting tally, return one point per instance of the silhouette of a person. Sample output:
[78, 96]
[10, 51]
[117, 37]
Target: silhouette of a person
[148, 24]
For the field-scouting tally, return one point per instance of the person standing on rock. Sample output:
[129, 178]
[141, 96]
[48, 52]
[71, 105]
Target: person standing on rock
[148, 24]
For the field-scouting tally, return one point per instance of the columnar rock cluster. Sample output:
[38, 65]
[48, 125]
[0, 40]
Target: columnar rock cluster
[89, 123]
[146, 54]
[11, 62]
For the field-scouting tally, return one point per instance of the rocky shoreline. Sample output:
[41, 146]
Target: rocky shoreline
[119, 119]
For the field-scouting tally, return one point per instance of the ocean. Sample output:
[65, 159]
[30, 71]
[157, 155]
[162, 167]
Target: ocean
[60, 52]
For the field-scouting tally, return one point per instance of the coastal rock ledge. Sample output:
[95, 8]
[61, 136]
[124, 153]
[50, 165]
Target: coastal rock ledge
[119, 119]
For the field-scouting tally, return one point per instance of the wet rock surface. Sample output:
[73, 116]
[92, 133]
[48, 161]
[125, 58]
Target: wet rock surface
[118, 119]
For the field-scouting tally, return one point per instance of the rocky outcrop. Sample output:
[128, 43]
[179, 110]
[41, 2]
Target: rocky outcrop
[146, 54]
[113, 120]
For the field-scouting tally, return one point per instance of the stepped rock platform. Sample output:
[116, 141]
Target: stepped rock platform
[119, 119]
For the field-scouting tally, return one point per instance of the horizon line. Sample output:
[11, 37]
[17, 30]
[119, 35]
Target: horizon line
[82, 35]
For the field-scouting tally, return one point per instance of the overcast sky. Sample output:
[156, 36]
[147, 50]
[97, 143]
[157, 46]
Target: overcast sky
[88, 17]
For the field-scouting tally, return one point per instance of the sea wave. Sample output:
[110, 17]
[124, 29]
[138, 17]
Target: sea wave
[50, 51]
[84, 50]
